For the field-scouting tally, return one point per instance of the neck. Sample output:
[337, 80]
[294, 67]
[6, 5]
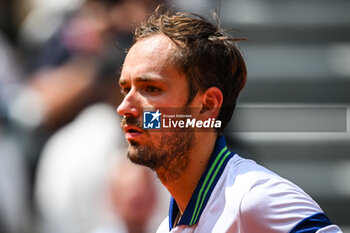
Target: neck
[182, 188]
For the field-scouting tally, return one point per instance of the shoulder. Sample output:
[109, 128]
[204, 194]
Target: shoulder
[267, 202]
[275, 202]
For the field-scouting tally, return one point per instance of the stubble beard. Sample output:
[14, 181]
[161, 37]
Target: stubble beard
[168, 155]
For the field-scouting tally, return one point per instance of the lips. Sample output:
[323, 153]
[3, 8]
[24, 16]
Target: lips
[132, 132]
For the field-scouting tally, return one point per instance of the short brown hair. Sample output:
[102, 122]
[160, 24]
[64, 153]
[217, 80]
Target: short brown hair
[205, 54]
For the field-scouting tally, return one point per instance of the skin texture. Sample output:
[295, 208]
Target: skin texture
[147, 83]
[149, 80]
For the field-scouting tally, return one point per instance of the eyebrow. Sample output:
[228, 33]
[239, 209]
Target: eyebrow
[141, 79]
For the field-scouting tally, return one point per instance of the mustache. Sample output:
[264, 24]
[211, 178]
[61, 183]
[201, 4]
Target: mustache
[130, 121]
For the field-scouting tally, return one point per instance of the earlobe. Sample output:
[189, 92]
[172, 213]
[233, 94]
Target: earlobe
[212, 101]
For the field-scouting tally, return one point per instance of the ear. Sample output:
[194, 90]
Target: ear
[212, 100]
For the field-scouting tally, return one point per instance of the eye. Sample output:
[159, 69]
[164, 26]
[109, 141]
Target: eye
[124, 90]
[152, 89]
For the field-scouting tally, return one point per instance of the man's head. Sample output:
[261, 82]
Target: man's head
[149, 80]
[204, 54]
[177, 62]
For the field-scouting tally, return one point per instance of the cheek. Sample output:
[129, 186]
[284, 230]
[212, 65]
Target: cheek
[173, 99]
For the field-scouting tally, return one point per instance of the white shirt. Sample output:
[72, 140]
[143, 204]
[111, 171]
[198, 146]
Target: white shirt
[239, 196]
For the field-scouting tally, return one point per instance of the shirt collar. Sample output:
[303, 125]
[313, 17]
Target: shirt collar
[217, 163]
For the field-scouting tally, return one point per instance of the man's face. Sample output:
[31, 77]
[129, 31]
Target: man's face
[149, 80]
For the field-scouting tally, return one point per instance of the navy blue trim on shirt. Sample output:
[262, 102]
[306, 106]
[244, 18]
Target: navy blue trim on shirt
[217, 163]
[312, 224]
[173, 211]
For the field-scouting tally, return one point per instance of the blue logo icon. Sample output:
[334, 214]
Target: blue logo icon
[151, 120]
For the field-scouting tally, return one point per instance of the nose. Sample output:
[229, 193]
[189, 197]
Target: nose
[130, 106]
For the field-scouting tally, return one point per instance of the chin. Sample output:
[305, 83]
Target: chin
[143, 155]
[134, 143]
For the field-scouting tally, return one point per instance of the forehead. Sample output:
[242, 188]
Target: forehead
[157, 45]
[151, 55]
